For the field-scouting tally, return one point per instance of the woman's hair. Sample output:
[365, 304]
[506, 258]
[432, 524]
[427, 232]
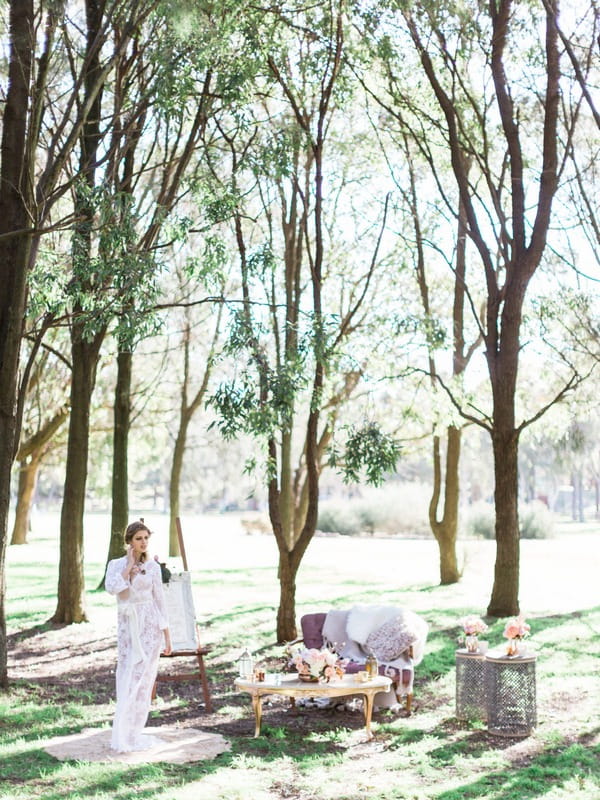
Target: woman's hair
[132, 529]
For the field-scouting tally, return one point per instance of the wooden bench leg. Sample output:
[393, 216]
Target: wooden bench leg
[204, 682]
[202, 677]
[409, 698]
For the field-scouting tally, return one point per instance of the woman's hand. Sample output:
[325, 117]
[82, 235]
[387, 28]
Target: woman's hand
[130, 564]
[168, 650]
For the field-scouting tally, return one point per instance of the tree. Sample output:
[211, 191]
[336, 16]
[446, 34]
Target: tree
[488, 133]
[31, 185]
[47, 411]
[17, 215]
[290, 323]
[444, 502]
[115, 265]
[188, 406]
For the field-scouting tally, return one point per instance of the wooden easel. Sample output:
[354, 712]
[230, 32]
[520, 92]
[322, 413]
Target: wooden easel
[198, 653]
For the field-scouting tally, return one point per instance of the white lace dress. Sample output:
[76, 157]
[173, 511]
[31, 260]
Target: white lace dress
[142, 617]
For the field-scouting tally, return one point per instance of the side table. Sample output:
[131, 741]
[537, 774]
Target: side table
[510, 690]
[470, 686]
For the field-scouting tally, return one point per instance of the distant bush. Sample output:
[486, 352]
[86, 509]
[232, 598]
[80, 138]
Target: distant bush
[396, 510]
[535, 521]
[480, 520]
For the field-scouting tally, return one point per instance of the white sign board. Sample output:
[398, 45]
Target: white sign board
[180, 610]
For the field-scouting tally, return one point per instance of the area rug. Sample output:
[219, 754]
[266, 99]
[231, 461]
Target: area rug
[176, 746]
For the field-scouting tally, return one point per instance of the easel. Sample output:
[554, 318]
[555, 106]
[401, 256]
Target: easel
[199, 652]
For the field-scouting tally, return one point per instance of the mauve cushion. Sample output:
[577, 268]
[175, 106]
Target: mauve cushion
[312, 629]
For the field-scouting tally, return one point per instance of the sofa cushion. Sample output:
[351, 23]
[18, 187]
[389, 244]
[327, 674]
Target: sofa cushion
[391, 639]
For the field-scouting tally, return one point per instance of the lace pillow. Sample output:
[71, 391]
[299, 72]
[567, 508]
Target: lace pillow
[390, 640]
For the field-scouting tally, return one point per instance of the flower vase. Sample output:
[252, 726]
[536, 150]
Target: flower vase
[512, 647]
[308, 678]
[472, 643]
[521, 647]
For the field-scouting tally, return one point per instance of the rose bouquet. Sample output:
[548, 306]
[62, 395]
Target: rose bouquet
[515, 630]
[313, 665]
[472, 626]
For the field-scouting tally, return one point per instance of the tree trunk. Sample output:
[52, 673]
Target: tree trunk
[176, 470]
[120, 475]
[28, 475]
[504, 601]
[286, 613]
[30, 455]
[85, 349]
[15, 215]
[71, 584]
[445, 530]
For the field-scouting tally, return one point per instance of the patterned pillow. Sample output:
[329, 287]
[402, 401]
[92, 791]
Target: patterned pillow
[390, 640]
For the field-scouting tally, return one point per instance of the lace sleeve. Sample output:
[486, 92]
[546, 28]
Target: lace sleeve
[114, 582]
[159, 598]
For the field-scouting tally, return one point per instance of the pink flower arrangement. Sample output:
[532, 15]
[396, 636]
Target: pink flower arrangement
[516, 628]
[323, 664]
[473, 626]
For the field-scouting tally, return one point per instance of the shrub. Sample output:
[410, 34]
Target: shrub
[396, 509]
[535, 521]
[480, 521]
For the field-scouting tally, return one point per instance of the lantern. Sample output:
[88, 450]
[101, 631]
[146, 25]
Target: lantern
[245, 664]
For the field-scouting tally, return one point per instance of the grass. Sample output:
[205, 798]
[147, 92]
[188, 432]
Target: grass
[314, 754]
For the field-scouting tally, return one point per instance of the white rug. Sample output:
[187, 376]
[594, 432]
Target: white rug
[176, 746]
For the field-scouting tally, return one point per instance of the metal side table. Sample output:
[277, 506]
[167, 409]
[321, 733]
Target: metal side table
[510, 691]
[470, 686]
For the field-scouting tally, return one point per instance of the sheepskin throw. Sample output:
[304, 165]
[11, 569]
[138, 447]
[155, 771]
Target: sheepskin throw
[363, 620]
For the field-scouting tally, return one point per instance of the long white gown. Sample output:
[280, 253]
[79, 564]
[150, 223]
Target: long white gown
[142, 617]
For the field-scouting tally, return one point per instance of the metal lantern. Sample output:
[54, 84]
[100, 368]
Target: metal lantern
[245, 664]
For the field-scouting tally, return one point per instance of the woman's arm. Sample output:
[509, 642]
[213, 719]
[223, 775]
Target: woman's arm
[115, 581]
[161, 606]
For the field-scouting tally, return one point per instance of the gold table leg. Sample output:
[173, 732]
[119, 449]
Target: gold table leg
[257, 707]
[368, 709]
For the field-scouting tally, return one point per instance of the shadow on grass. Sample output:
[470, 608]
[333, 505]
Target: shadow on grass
[552, 768]
[238, 612]
[118, 781]
[126, 782]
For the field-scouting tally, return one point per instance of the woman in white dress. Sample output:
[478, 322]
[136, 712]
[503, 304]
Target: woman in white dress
[142, 628]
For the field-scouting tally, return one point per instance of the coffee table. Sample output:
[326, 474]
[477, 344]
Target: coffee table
[291, 686]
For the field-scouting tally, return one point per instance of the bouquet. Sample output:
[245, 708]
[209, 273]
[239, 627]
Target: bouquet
[472, 627]
[313, 665]
[516, 628]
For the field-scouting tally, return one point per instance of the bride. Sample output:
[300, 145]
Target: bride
[141, 629]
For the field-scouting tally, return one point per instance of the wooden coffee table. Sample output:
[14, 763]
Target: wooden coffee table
[291, 686]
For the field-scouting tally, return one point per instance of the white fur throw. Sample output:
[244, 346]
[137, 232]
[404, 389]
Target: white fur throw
[335, 634]
[363, 620]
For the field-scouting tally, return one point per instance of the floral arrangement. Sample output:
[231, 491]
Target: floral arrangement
[313, 664]
[473, 626]
[516, 628]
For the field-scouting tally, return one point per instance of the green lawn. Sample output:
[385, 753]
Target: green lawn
[60, 682]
